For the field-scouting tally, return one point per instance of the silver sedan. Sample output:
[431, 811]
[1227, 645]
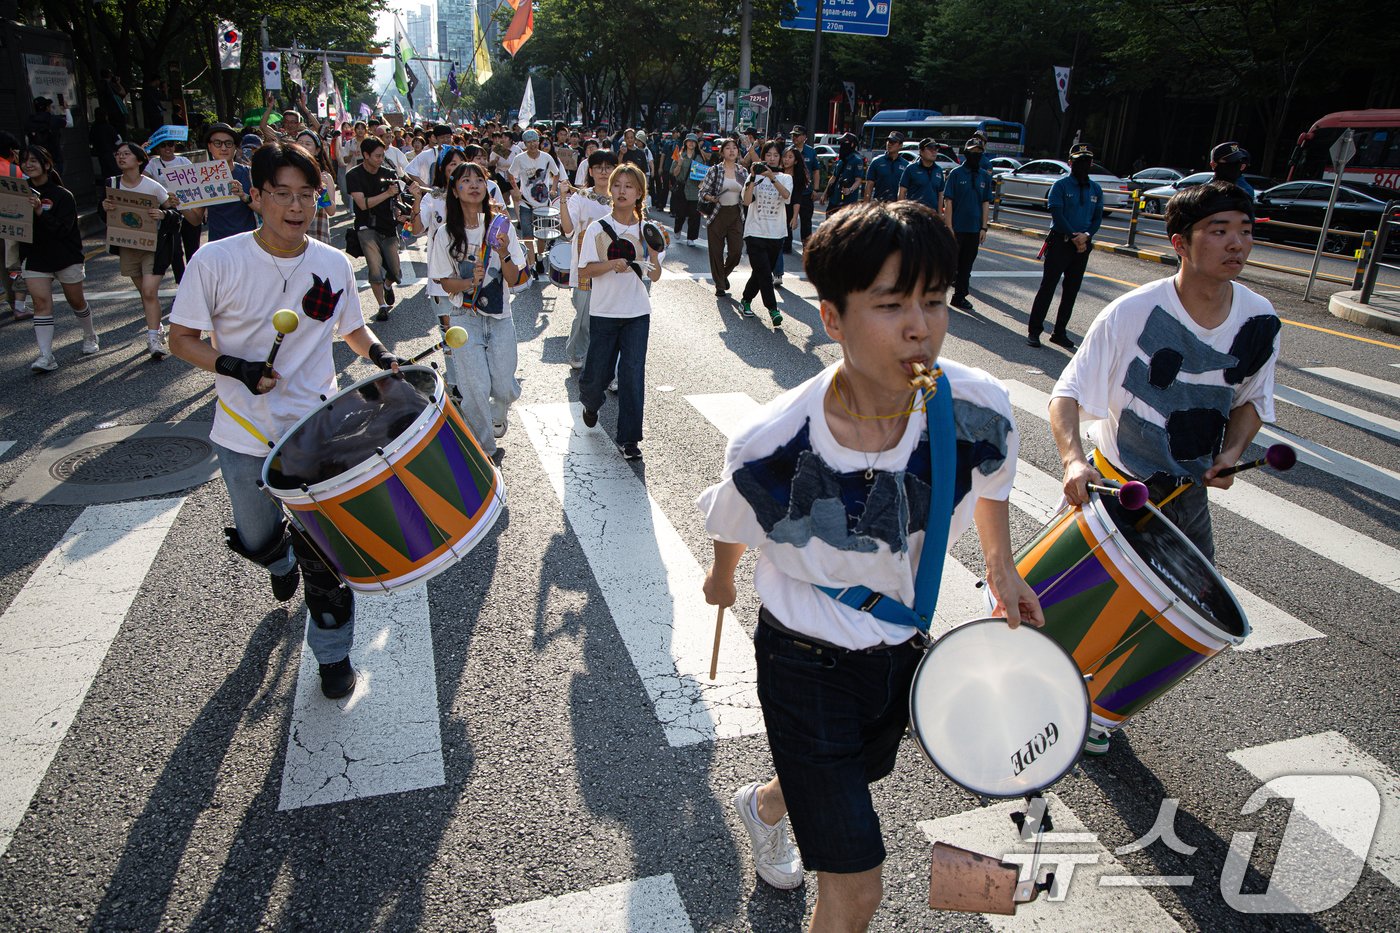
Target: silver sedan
[1031, 182]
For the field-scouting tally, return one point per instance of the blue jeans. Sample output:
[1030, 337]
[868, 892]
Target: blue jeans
[258, 518]
[484, 371]
[619, 342]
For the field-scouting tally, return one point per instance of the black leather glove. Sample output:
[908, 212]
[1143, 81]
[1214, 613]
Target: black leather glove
[381, 357]
[245, 371]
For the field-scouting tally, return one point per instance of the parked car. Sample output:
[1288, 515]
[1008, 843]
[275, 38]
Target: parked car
[1359, 207]
[1003, 164]
[826, 158]
[1154, 177]
[1157, 198]
[1031, 182]
[943, 159]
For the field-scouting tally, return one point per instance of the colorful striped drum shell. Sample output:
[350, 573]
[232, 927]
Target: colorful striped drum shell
[1138, 622]
[396, 521]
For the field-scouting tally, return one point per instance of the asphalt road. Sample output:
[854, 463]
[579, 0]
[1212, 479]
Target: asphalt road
[516, 742]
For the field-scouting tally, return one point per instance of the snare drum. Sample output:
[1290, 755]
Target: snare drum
[1001, 711]
[547, 225]
[561, 256]
[1138, 610]
[409, 492]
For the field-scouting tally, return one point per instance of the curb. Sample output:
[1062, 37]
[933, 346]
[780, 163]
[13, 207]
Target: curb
[1345, 305]
[1118, 248]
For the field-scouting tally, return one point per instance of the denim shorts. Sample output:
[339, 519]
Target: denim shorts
[835, 719]
[526, 223]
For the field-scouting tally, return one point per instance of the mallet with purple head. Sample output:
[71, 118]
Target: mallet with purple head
[1278, 456]
[1132, 494]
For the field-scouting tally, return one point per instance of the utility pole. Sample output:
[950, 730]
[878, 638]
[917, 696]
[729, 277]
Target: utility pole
[745, 45]
[816, 71]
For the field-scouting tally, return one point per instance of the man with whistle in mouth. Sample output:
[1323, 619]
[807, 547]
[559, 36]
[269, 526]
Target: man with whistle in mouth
[232, 288]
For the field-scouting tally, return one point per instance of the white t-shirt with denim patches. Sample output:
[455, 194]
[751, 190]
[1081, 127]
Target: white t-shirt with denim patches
[442, 264]
[767, 216]
[617, 294]
[231, 288]
[528, 173]
[1157, 388]
[790, 490]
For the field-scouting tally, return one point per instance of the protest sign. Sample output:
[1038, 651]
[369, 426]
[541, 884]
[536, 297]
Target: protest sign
[174, 132]
[129, 223]
[16, 213]
[200, 184]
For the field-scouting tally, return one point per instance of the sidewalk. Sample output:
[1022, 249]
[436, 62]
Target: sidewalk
[1381, 313]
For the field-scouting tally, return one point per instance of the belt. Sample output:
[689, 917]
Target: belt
[820, 647]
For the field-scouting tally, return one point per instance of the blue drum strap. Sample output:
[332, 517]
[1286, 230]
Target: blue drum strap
[938, 406]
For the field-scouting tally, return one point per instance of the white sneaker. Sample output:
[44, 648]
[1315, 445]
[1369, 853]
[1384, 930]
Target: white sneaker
[775, 858]
[777, 281]
[612, 386]
[155, 345]
[576, 364]
[44, 364]
[90, 345]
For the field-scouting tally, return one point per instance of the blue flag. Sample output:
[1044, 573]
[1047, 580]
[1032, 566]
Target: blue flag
[452, 79]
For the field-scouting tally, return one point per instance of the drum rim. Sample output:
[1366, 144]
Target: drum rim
[923, 747]
[1107, 531]
[426, 418]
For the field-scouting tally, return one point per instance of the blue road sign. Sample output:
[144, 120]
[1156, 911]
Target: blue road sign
[853, 17]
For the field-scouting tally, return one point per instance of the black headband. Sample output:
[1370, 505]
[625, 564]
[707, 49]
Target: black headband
[1219, 202]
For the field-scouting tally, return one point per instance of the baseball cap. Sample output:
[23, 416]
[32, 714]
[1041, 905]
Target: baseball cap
[691, 138]
[975, 144]
[529, 136]
[1229, 152]
[799, 129]
[928, 142]
[1080, 152]
[895, 137]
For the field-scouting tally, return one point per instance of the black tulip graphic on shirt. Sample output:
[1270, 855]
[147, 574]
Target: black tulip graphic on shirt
[319, 301]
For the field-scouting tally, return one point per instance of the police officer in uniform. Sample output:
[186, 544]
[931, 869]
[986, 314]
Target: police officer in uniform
[1076, 211]
[1229, 161]
[882, 178]
[967, 198]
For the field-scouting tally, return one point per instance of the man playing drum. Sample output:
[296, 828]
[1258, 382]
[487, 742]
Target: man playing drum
[1177, 375]
[231, 289]
[831, 482]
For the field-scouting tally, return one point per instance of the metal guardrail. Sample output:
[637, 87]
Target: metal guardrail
[1137, 212]
[1390, 223]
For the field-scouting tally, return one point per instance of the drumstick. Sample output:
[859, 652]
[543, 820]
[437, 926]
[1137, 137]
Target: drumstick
[284, 322]
[454, 338]
[1278, 456]
[714, 655]
[1132, 494]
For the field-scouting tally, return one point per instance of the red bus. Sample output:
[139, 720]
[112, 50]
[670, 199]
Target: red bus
[1377, 160]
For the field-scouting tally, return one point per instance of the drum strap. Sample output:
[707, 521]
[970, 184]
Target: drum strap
[244, 423]
[938, 404]
[613, 238]
[1108, 470]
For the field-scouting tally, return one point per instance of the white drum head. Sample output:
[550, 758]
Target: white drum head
[1002, 712]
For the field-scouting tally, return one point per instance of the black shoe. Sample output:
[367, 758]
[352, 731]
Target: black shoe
[630, 451]
[284, 585]
[721, 293]
[1033, 341]
[389, 294]
[961, 302]
[382, 314]
[1062, 340]
[338, 679]
[590, 418]
[539, 267]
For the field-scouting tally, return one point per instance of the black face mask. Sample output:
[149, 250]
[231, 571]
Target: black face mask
[1229, 171]
[846, 149]
[974, 160]
[1080, 169]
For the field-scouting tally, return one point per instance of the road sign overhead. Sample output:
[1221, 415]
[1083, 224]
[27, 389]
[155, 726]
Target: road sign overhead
[853, 17]
[359, 59]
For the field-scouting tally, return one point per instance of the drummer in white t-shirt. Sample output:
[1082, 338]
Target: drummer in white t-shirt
[581, 208]
[831, 483]
[231, 290]
[536, 176]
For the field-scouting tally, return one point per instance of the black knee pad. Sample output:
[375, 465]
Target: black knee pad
[329, 601]
[268, 555]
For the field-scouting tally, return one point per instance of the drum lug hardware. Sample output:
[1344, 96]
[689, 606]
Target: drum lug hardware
[983, 801]
[323, 398]
[379, 451]
[1088, 678]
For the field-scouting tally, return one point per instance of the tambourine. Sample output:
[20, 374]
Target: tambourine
[656, 236]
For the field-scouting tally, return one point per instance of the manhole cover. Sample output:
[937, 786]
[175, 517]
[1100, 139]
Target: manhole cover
[132, 460]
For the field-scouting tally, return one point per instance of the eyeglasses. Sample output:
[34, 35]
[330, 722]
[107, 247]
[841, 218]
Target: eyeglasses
[221, 144]
[285, 198]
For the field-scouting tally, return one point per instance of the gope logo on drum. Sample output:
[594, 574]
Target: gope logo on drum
[1033, 749]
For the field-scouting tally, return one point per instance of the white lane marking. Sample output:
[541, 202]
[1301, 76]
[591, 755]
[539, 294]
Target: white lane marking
[1356, 380]
[1008, 274]
[1324, 537]
[1339, 411]
[1038, 493]
[385, 737]
[1366, 475]
[1077, 902]
[959, 597]
[647, 905]
[118, 293]
[5, 447]
[650, 581]
[56, 632]
[1332, 753]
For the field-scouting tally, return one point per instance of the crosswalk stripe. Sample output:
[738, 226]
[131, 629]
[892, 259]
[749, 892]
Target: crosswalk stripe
[1271, 625]
[654, 594]
[1356, 380]
[1333, 753]
[1322, 536]
[1339, 411]
[1366, 475]
[959, 597]
[1084, 896]
[5, 447]
[646, 905]
[56, 632]
[385, 737]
